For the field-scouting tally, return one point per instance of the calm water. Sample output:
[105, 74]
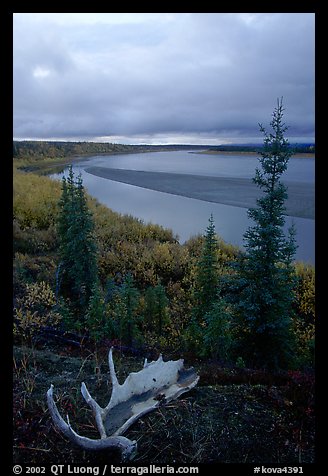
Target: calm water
[187, 216]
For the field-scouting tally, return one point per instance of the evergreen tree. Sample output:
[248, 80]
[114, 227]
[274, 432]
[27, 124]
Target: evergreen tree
[206, 286]
[77, 271]
[128, 302]
[95, 315]
[156, 308]
[217, 333]
[266, 273]
[207, 274]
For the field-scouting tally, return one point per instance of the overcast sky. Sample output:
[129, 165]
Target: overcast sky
[201, 78]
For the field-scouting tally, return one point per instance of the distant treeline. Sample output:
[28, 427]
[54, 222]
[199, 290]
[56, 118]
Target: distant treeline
[296, 148]
[50, 149]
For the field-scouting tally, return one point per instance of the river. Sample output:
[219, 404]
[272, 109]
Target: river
[202, 178]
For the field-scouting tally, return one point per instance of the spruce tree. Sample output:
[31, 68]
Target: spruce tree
[129, 301]
[217, 333]
[156, 308]
[77, 270]
[206, 287]
[266, 272]
[207, 274]
[96, 324]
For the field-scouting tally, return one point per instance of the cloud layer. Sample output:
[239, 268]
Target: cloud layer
[182, 77]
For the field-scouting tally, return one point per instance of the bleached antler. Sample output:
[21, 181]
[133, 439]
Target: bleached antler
[157, 383]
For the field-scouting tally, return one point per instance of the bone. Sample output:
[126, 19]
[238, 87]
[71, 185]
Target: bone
[155, 385]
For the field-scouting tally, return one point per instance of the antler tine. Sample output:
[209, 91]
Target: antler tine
[57, 419]
[113, 377]
[97, 410]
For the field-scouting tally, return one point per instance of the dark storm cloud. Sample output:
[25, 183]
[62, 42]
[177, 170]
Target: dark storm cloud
[161, 76]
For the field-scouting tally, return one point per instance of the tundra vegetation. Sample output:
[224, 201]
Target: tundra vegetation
[86, 278]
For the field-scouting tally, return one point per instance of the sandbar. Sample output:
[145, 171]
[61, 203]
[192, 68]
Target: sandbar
[237, 192]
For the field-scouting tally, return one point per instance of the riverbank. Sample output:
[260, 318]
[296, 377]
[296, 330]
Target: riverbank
[238, 192]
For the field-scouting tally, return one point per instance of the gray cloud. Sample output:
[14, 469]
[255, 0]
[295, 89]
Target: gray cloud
[161, 76]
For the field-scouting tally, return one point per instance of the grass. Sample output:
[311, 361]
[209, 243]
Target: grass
[222, 420]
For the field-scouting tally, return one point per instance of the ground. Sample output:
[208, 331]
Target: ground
[232, 416]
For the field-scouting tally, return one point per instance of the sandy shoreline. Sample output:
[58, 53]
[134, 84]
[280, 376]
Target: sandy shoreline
[238, 192]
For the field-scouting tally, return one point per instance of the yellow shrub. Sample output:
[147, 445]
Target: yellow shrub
[304, 319]
[34, 310]
[39, 294]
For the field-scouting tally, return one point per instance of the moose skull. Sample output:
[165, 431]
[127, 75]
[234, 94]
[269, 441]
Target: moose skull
[157, 383]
